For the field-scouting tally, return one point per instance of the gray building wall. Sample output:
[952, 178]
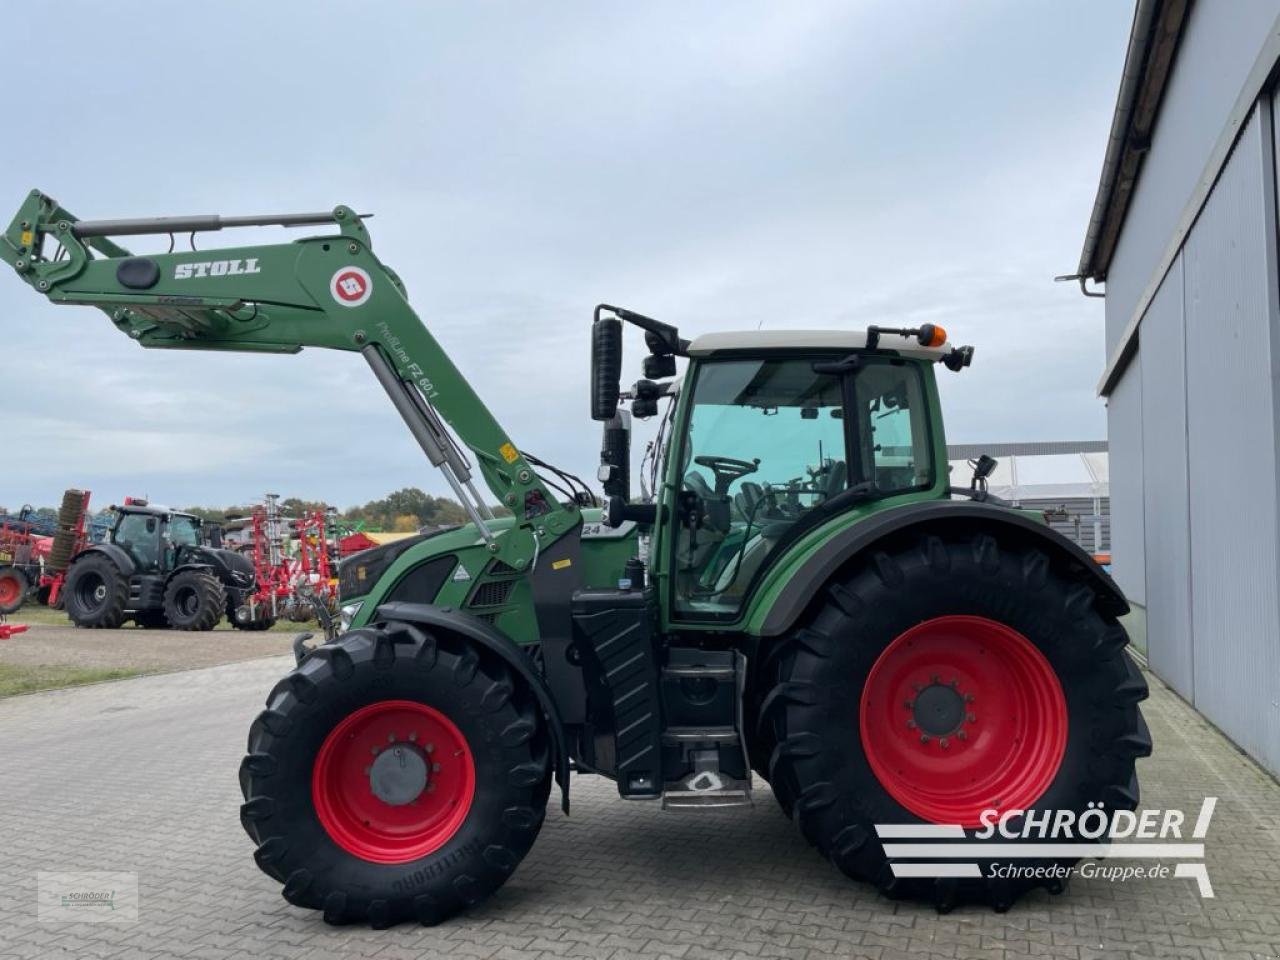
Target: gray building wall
[1229, 303]
[1193, 418]
[1221, 41]
[1166, 504]
[1124, 429]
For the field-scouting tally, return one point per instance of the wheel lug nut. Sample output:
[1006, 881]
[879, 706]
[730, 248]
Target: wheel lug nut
[911, 724]
[391, 738]
[962, 735]
[430, 748]
[413, 736]
[934, 678]
[968, 698]
[908, 704]
[943, 743]
[972, 718]
[435, 768]
[954, 682]
[924, 738]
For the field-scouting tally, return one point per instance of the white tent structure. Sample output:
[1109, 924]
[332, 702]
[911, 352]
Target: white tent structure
[1066, 479]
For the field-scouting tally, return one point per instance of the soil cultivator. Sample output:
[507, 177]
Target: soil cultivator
[293, 565]
[34, 562]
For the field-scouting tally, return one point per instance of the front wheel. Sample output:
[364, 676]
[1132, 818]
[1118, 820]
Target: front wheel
[395, 775]
[940, 679]
[194, 600]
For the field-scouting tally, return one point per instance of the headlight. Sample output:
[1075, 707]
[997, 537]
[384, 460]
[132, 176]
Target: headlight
[347, 614]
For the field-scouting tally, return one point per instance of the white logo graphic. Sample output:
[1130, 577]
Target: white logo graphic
[351, 286]
[945, 850]
[215, 268]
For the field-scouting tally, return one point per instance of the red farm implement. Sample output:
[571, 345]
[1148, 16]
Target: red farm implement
[293, 563]
[35, 554]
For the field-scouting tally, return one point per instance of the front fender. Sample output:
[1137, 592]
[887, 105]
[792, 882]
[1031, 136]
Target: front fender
[117, 554]
[845, 544]
[488, 637]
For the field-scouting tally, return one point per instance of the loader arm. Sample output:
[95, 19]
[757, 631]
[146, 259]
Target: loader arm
[325, 291]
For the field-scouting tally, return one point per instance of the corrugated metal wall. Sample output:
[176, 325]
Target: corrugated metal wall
[1167, 507]
[1078, 524]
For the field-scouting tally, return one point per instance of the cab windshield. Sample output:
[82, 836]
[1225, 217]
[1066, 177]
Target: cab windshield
[769, 442]
[184, 531]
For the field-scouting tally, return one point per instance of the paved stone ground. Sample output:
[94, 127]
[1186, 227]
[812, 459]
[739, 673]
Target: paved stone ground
[140, 776]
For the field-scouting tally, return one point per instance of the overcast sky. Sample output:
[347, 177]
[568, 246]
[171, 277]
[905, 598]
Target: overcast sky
[717, 165]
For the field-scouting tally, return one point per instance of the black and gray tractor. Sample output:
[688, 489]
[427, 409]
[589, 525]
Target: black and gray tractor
[153, 569]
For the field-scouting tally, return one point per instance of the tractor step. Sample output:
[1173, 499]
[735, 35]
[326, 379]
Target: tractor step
[704, 756]
[700, 735]
[705, 799]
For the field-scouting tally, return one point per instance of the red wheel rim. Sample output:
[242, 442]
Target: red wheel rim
[10, 590]
[365, 781]
[960, 715]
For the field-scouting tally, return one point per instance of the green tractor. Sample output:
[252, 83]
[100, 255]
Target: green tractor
[802, 598]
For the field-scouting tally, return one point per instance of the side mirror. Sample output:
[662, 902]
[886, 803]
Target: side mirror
[606, 367]
[984, 466]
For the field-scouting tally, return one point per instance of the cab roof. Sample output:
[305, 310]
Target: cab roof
[712, 343]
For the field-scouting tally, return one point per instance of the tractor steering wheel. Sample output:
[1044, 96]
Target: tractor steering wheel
[727, 470]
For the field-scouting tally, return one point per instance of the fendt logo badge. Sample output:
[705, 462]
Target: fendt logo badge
[216, 268]
[351, 286]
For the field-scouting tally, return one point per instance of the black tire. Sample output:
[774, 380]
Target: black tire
[194, 600]
[492, 710]
[263, 622]
[96, 593]
[14, 587]
[810, 721]
[150, 619]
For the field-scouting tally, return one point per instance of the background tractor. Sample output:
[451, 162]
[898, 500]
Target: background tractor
[803, 597]
[153, 569]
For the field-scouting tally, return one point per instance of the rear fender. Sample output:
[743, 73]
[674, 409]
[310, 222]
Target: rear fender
[943, 516]
[488, 637]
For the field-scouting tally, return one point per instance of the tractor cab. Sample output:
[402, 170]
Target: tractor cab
[771, 434]
[154, 537]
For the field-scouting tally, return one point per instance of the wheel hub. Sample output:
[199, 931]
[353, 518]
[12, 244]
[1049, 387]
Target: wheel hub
[100, 592]
[939, 710]
[393, 781]
[399, 774]
[928, 743]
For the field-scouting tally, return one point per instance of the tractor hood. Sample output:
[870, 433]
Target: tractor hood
[359, 572]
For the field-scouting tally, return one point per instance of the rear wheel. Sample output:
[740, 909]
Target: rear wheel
[13, 589]
[194, 600]
[96, 593]
[395, 775]
[944, 677]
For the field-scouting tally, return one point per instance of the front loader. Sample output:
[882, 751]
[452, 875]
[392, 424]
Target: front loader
[803, 599]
